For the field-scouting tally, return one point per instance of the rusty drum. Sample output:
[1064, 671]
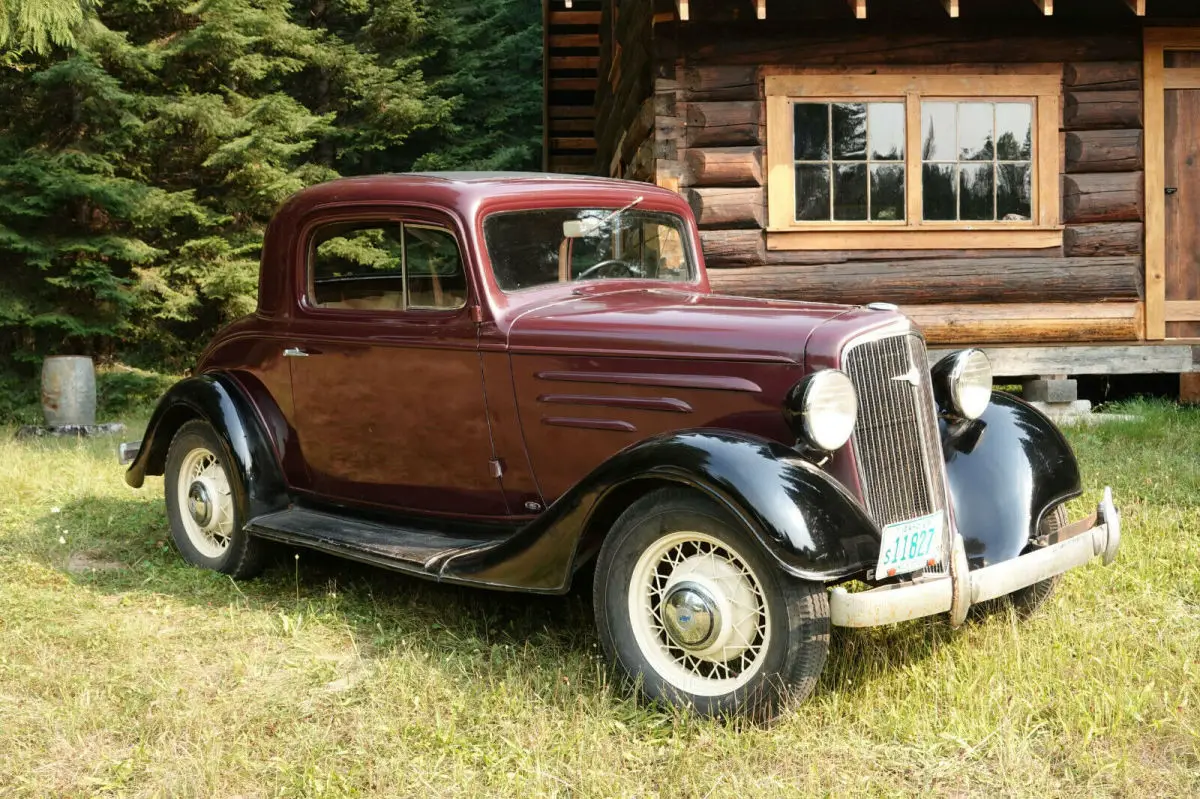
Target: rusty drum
[68, 390]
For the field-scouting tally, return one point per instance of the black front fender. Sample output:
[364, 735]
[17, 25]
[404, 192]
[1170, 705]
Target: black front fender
[1006, 471]
[812, 526]
[219, 400]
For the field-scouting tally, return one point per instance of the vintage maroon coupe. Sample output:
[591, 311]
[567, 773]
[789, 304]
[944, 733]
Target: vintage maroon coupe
[497, 380]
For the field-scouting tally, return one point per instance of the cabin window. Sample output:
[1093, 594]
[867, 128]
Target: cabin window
[849, 161]
[977, 161]
[921, 162]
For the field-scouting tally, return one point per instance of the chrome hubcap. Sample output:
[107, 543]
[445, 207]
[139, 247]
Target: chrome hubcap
[206, 502]
[690, 616]
[699, 613]
[199, 503]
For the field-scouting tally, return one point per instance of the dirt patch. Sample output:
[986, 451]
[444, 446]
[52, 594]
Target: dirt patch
[88, 562]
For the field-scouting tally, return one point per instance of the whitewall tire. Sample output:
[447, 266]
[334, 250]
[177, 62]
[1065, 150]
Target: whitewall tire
[205, 504]
[694, 612]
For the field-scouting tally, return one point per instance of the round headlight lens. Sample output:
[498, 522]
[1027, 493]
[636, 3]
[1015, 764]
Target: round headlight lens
[822, 409]
[971, 383]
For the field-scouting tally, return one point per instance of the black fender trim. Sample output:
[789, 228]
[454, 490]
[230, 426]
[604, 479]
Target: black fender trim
[807, 521]
[1007, 470]
[218, 399]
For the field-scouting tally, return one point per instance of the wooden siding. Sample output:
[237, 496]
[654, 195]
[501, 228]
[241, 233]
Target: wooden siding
[1089, 289]
[624, 106]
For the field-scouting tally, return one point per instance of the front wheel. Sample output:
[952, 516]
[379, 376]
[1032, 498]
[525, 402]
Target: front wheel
[203, 507]
[1027, 601]
[690, 608]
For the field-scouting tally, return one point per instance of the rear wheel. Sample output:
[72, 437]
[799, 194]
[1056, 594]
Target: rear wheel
[203, 507]
[693, 611]
[1027, 601]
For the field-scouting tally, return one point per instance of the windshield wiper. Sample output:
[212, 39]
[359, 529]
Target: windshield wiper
[605, 220]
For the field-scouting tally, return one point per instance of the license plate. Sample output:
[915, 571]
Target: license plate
[911, 545]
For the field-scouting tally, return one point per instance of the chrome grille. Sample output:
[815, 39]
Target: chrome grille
[896, 441]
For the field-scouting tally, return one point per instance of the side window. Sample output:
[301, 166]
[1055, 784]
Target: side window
[359, 266]
[385, 266]
[435, 270]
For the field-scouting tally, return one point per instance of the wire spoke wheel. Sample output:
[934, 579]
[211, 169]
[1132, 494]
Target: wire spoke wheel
[699, 614]
[207, 512]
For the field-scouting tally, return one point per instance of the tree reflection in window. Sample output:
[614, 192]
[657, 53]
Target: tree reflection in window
[849, 161]
[977, 161]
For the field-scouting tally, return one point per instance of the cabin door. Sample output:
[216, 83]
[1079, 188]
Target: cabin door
[1182, 192]
[1172, 120]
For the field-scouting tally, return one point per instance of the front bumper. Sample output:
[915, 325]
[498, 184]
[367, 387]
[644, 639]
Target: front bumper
[1074, 546]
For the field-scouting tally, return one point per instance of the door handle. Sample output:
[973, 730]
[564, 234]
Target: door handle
[294, 352]
[1171, 190]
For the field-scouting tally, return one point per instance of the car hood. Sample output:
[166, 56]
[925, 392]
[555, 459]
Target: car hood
[665, 323]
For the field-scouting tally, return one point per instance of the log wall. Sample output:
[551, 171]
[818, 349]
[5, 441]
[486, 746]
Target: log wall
[710, 137]
[624, 108]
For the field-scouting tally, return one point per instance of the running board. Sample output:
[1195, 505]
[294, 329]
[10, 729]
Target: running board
[392, 547]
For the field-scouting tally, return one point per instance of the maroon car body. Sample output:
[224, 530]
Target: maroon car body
[683, 358]
[498, 438]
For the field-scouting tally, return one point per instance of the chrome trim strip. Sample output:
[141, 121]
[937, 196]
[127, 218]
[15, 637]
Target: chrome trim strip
[669, 404]
[718, 382]
[614, 425]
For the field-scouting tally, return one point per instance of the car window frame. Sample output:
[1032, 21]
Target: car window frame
[423, 217]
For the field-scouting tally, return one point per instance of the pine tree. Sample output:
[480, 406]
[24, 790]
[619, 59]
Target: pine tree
[488, 57]
[69, 204]
[39, 25]
[144, 144]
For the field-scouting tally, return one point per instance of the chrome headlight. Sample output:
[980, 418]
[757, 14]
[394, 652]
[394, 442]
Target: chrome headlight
[822, 409]
[963, 383]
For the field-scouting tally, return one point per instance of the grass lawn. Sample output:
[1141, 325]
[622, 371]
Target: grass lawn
[125, 672]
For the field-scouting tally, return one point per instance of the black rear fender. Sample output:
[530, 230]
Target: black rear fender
[218, 399]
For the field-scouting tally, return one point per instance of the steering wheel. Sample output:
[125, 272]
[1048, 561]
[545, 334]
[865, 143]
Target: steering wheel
[609, 268]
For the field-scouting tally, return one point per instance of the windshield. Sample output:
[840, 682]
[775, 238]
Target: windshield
[561, 245]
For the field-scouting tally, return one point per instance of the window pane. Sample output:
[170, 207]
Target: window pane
[1014, 131]
[850, 192]
[975, 128]
[885, 127]
[887, 192]
[850, 132]
[939, 132]
[435, 273]
[1014, 193]
[1174, 59]
[940, 192]
[976, 192]
[812, 192]
[812, 131]
[358, 267]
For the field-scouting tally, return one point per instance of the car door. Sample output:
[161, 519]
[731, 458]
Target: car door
[386, 376]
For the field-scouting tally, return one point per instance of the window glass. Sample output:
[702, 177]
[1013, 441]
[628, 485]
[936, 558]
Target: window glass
[977, 161]
[358, 265]
[436, 278]
[849, 161]
[532, 248]
[385, 266]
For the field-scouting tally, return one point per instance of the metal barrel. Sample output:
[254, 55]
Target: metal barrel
[68, 390]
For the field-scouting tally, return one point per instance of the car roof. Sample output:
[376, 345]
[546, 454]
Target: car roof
[465, 191]
[506, 177]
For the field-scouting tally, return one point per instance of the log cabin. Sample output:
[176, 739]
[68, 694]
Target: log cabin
[1018, 175]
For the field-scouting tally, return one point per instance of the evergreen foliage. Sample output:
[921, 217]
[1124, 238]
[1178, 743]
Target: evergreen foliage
[144, 145]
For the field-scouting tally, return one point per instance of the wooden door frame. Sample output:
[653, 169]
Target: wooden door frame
[1156, 42]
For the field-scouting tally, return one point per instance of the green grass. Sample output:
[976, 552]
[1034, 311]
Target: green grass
[324, 678]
